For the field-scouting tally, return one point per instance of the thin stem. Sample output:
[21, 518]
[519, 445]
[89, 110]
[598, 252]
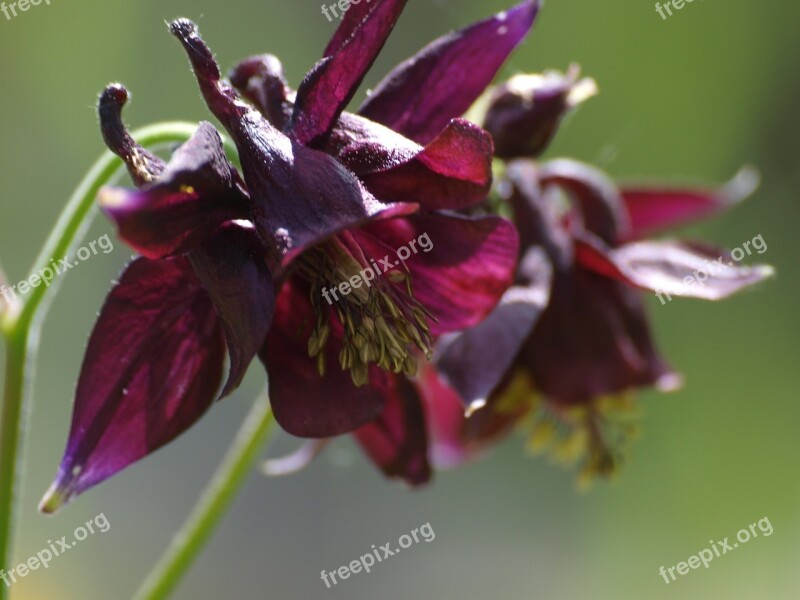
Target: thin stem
[213, 504]
[10, 442]
[20, 321]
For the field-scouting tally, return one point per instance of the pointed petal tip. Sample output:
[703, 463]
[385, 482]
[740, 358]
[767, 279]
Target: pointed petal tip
[669, 382]
[55, 499]
[743, 185]
[474, 407]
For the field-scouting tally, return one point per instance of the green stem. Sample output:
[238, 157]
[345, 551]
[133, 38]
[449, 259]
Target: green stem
[20, 321]
[213, 504]
[11, 433]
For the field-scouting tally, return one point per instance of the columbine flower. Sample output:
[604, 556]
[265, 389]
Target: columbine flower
[332, 192]
[571, 339]
[323, 195]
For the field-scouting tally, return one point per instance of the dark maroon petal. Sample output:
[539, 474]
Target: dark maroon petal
[454, 171]
[468, 264]
[142, 165]
[592, 340]
[197, 192]
[397, 440]
[524, 113]
[307, 404]
[152, 368]
[232, 270]
[598, 199]
[365, 147]
[671, 267]
[474, 362]
[423, 94]
[300, 196]
[653, 209]
[455, 438]
[333, 82]
[260, 79]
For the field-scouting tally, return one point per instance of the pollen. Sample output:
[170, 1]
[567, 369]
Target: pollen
[383, 323]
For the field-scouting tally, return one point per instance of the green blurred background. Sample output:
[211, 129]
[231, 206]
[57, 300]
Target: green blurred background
[690, 98]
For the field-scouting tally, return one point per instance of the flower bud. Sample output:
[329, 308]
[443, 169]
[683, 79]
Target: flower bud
[524, 113]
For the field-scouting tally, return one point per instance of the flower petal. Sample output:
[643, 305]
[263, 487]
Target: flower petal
[233, 271]
[197, 192]
[308, 404]
[423, 94]
[397, 440]
[152, 368]
[454, 171]
[672, 267]
[474, 362]
[300, 196]
[454, 437]
[593, 340]
[333, 82]
[461, 275]
[653, 209]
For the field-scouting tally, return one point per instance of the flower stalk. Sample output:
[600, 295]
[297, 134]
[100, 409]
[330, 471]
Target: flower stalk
[207, 513]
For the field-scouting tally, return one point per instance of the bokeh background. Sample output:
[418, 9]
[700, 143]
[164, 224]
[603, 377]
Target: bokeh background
[690, 98]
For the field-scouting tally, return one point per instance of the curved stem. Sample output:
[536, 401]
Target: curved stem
[213, 504]
[20, 320]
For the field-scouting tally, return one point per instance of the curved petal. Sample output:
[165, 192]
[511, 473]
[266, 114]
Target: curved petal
[423, 94]
[143, 165]
[299, 196]
[474, 362]
[307, 404]
[453, 172]
[656, 208]
[197, 192]
[670, 267]
[232, 270]
[397, 440]
[333, 82]
[152, 368]
[463, 269]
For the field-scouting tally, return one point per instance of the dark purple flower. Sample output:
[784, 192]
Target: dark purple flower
[573, 332]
